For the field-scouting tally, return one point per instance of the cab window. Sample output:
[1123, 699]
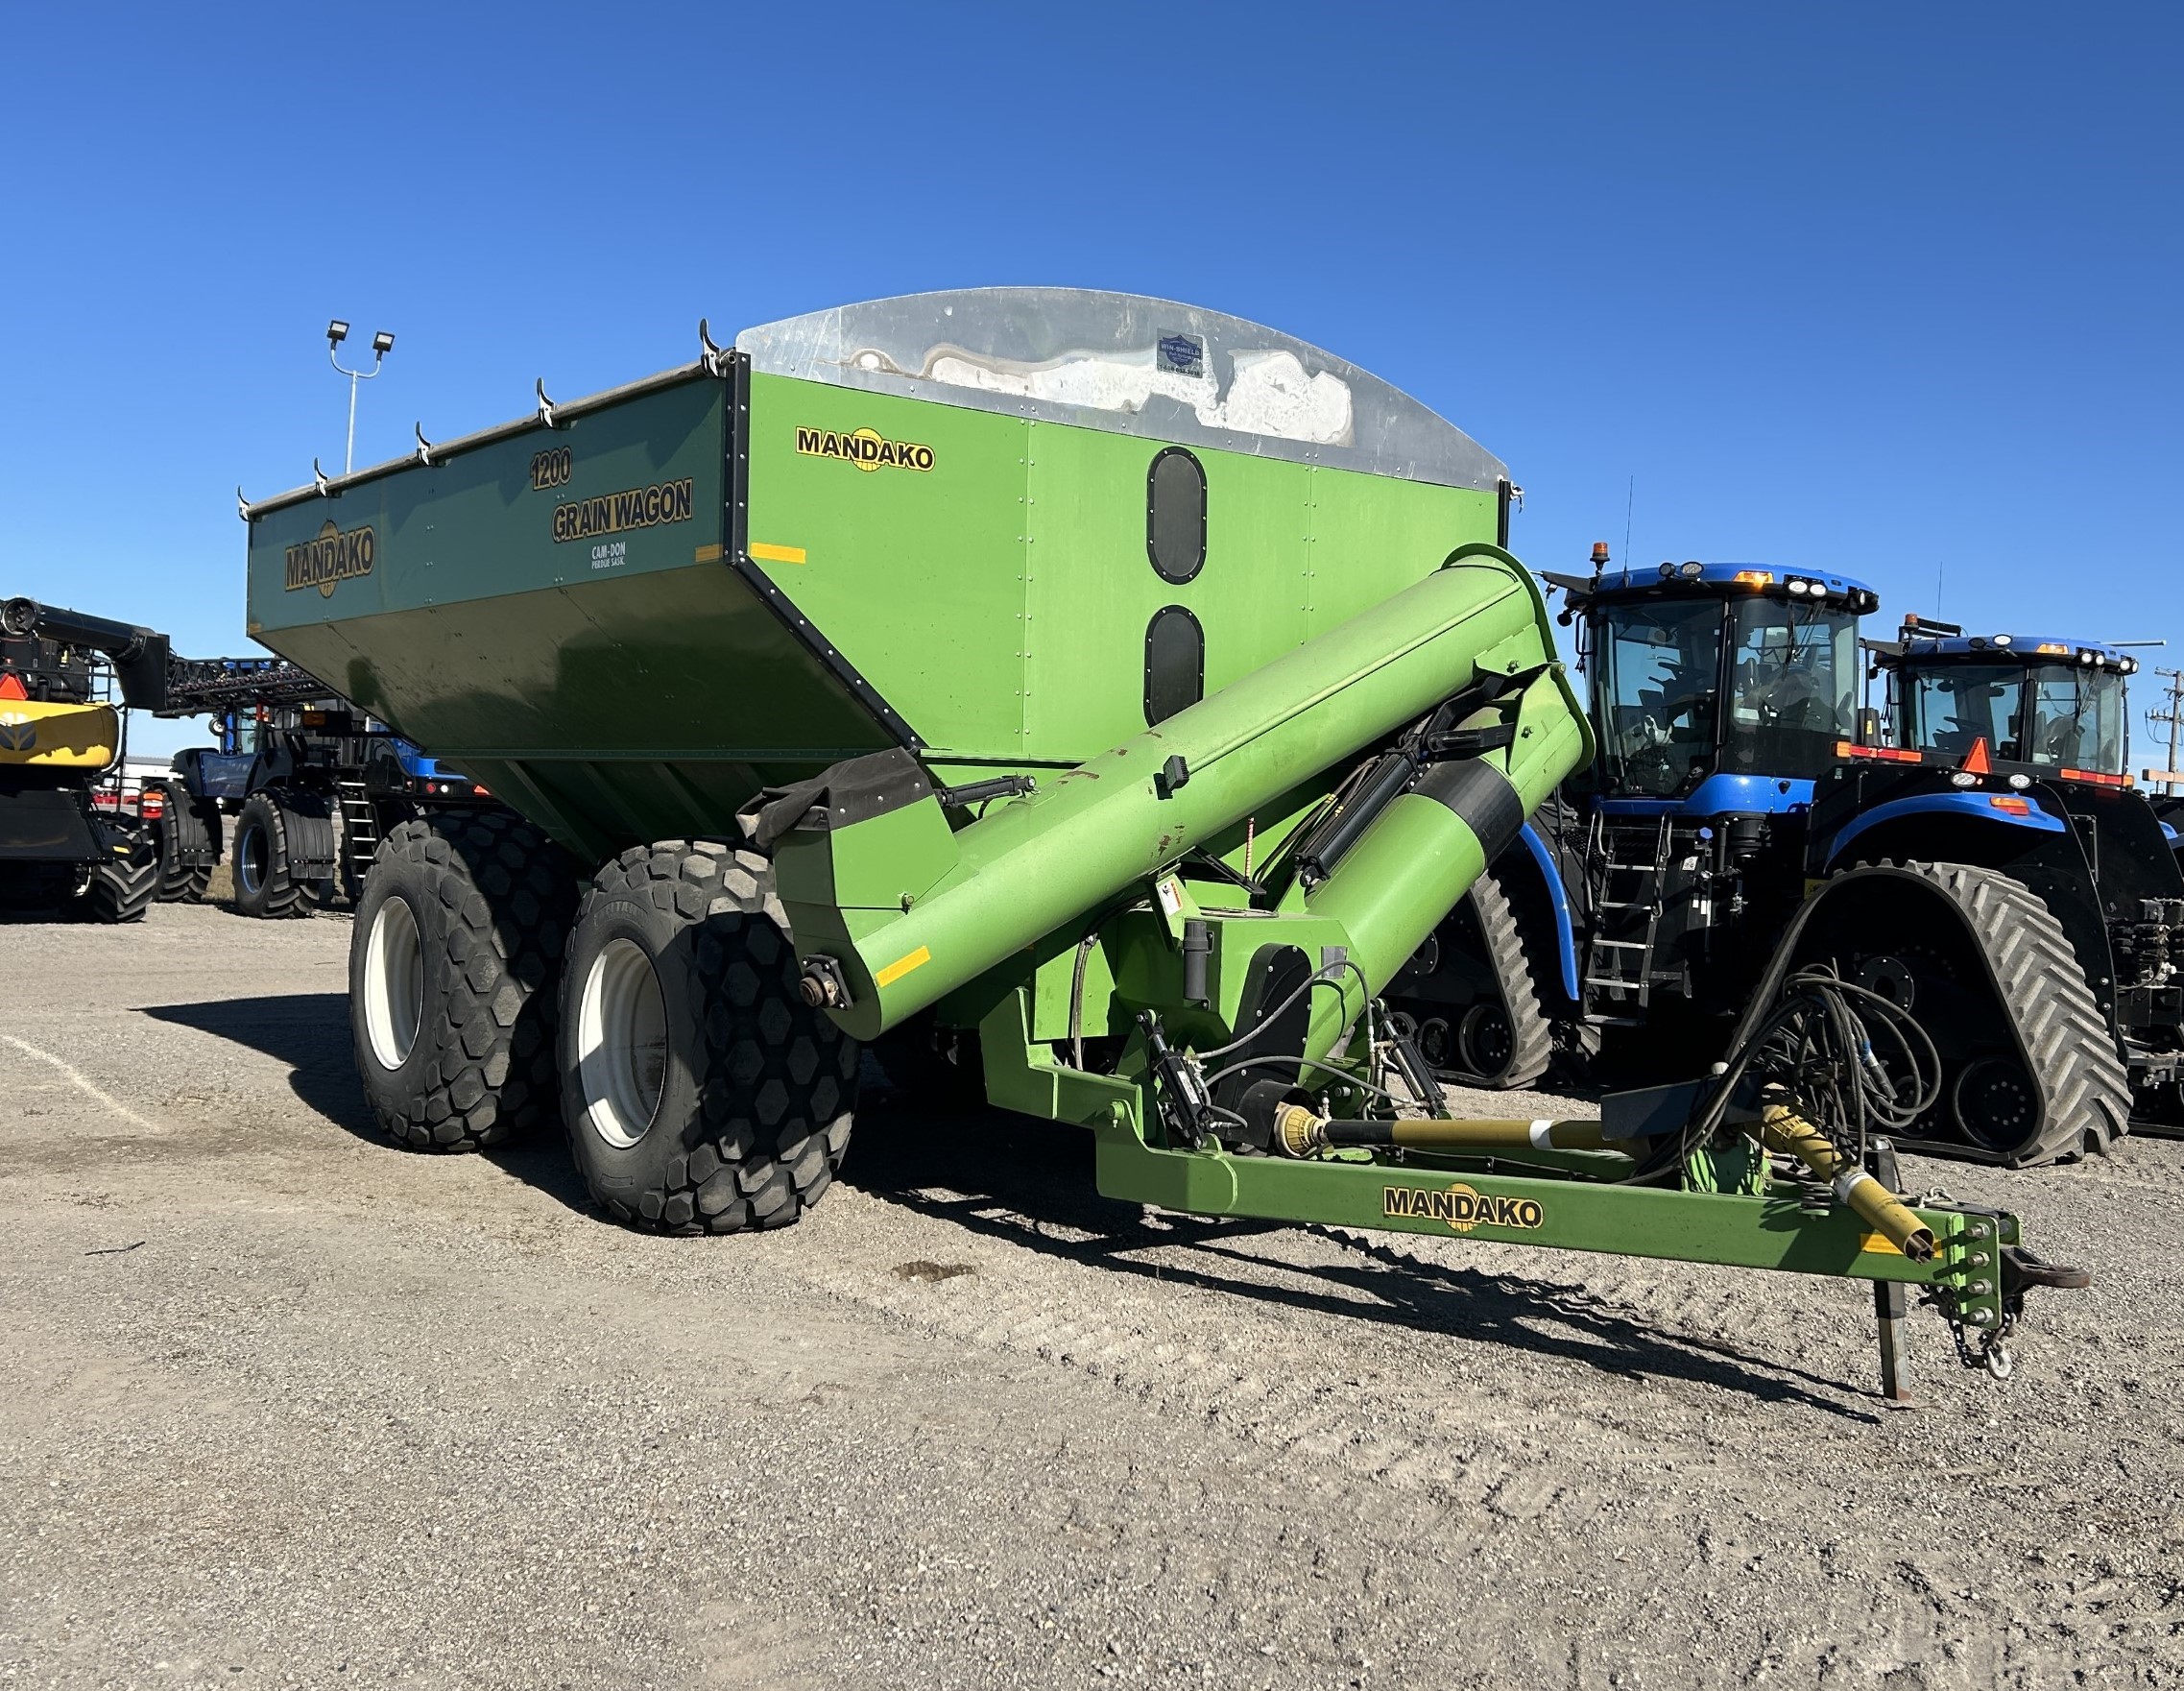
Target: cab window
[1661, 679]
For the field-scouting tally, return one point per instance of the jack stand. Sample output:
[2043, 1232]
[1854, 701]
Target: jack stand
[1889, 1300]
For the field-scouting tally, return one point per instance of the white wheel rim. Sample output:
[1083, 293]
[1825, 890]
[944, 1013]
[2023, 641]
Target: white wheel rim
[621, 1043]
[394, 983]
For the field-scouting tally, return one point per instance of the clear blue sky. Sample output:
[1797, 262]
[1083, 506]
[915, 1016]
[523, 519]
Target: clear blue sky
[1891, 290]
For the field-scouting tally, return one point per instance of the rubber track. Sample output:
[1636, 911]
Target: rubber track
[1531, 1034]
[781, 1087]
[2083, 1084]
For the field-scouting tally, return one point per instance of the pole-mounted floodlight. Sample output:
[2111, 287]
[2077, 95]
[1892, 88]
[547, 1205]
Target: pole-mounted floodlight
[382, 342]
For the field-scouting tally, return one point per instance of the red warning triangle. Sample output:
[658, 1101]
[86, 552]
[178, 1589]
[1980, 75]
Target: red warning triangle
[1976, 760]
[12, 686]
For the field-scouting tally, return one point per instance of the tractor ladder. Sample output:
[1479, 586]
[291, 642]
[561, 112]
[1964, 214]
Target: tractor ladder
[359, 834]
[1625, 897]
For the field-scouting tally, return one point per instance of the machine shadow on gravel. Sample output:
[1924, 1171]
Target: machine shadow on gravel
[1027, 1183]
[309, 1031]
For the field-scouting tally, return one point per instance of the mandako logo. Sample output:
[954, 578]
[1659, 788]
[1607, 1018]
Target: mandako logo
[867, 448]
[1462, 1207]
[333, 557]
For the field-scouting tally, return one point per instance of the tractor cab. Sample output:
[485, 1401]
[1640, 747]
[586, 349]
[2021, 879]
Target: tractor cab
[1718, 687]
[2053, 707]
[1721, 694]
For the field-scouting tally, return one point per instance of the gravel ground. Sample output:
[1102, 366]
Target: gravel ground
[281, 1405]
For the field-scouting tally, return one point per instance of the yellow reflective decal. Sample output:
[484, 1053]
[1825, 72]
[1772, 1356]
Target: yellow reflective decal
[902, 966]
[769, 554]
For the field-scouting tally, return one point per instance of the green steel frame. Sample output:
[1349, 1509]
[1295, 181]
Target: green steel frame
[1772, 1229]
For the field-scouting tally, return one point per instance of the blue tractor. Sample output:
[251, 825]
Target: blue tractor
[312, 785]
[1645, 897]
[2030, 736]
[1740, 790]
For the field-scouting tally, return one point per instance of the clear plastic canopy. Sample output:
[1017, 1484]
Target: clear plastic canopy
[1128, 364]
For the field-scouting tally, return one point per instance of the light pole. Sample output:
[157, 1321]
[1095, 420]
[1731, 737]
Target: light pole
[382, 342]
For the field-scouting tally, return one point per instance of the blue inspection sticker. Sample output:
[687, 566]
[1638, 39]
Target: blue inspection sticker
[1183, 355]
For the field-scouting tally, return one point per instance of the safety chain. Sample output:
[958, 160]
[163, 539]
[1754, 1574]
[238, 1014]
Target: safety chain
[1990, 1352]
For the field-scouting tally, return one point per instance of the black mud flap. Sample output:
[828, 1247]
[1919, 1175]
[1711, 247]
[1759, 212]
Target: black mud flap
[310, 825]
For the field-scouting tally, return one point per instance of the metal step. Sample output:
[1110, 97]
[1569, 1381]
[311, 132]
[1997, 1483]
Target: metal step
[359, 829]
[1636, 985]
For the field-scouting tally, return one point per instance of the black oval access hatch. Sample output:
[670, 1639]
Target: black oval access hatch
[1175, 515]
[1175, 663]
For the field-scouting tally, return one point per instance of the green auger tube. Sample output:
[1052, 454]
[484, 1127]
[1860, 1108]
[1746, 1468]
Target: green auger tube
[892, 911]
